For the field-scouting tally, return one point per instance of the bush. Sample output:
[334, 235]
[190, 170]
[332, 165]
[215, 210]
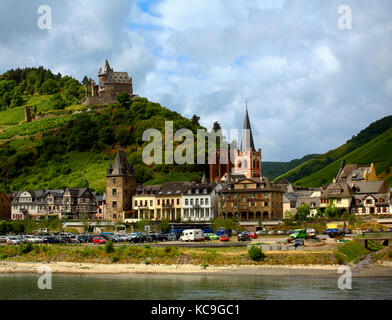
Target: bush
[256, 254]
[24, 248]
[115, 259]
[109, 247]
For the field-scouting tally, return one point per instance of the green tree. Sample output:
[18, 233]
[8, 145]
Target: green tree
[57, 102]
[195, 120]
[331, 211]
[124, 99]
[303, 212]
[50, 86]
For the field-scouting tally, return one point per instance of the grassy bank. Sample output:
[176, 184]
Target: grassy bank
[152, 255]
[351, 251]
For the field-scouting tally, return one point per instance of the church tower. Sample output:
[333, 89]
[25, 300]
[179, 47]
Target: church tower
[120, 187]
[248, 160]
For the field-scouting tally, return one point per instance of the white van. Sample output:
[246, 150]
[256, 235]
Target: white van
[192, 235]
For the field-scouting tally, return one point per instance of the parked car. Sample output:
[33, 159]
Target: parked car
[192, 235]
[368, 230]
[171, 237]
[51, 239]
[99, 240]
[260, 232]
[389, 230]
[280, 232]
[206, 237]
[299, 242]
[13, 240]
[140, 238]
[3, 239]
[380, 230]
[253, 235]
[289, 232]
[224, 237]
[244, 237]
[271, 232]
[212, 236]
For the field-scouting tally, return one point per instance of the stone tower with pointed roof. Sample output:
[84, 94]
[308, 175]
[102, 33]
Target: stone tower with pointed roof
[248, 160]
[120, 187]
[111, 83]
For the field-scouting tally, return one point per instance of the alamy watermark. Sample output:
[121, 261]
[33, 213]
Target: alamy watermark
[182, 147]
[45, 19]
[345, 280]
[45, 281]
[345, 17]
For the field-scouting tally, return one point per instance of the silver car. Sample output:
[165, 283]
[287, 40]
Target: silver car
[13, 241]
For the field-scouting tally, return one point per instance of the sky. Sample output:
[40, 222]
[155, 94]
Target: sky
[310, 85]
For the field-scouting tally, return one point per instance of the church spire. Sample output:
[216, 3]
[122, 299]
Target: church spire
[247, 136]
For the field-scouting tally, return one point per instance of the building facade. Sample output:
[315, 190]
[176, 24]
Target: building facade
[145, 202]
[250, 199]
[120, 187]
[200, 201]
[69, 203]
[169, 200]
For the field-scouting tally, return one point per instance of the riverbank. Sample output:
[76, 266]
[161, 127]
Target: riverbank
[8, 267]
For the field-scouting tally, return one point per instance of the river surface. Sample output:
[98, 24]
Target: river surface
[189, 287]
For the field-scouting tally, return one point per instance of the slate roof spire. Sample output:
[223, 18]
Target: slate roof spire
[204, 179]
[105, 68]
[247, 136]
[120, 166]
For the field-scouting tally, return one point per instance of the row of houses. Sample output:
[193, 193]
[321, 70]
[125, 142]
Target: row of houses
[355, 190]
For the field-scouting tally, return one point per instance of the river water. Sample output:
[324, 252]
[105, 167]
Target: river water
[189, 287]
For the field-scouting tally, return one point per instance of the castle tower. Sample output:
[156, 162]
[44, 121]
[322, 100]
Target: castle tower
[103, 73]
[248, 160]
[120, 187]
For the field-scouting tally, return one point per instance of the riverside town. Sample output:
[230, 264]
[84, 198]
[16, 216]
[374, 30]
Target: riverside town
[254, 163]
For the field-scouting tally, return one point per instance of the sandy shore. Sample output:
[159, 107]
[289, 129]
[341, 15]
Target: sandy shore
[245, 270]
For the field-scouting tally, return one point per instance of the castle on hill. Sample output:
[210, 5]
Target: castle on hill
[111, 83]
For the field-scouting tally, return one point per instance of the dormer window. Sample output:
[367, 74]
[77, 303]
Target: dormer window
[204, 190]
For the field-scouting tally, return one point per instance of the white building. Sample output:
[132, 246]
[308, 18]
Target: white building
[200, 201]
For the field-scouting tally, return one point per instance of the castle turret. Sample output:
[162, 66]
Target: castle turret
[120, 187]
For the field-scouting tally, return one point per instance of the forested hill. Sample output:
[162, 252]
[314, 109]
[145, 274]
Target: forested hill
[70, 145]
[371, 145]
[272, 169]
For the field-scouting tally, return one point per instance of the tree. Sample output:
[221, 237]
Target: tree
[50, 86]
[303, 212]
[57, 102]
[124, 99]
[216, 126]
[195, 120]
[331, 211]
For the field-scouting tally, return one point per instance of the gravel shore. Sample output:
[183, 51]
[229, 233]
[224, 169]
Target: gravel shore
[245, 270]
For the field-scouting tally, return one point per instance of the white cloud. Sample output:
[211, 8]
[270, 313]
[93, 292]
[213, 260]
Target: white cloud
[310, 85]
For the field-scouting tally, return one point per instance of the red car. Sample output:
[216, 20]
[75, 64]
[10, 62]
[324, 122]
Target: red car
[253, 235]
[99, 240]
[224, 237]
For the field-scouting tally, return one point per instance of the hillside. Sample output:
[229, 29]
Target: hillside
[332, 157]
[272, 169]
[69, 145]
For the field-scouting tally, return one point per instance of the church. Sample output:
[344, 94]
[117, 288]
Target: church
[247, 160]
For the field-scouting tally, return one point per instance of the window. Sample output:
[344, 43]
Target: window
[159, 202]
[191, 202]
[201, 201]
[206, 201]
[151, 203]
[178, 201]
[114, 204]
[114, 192]
[197, 202]
[114, 180]
[186, 202]
[245, 186]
